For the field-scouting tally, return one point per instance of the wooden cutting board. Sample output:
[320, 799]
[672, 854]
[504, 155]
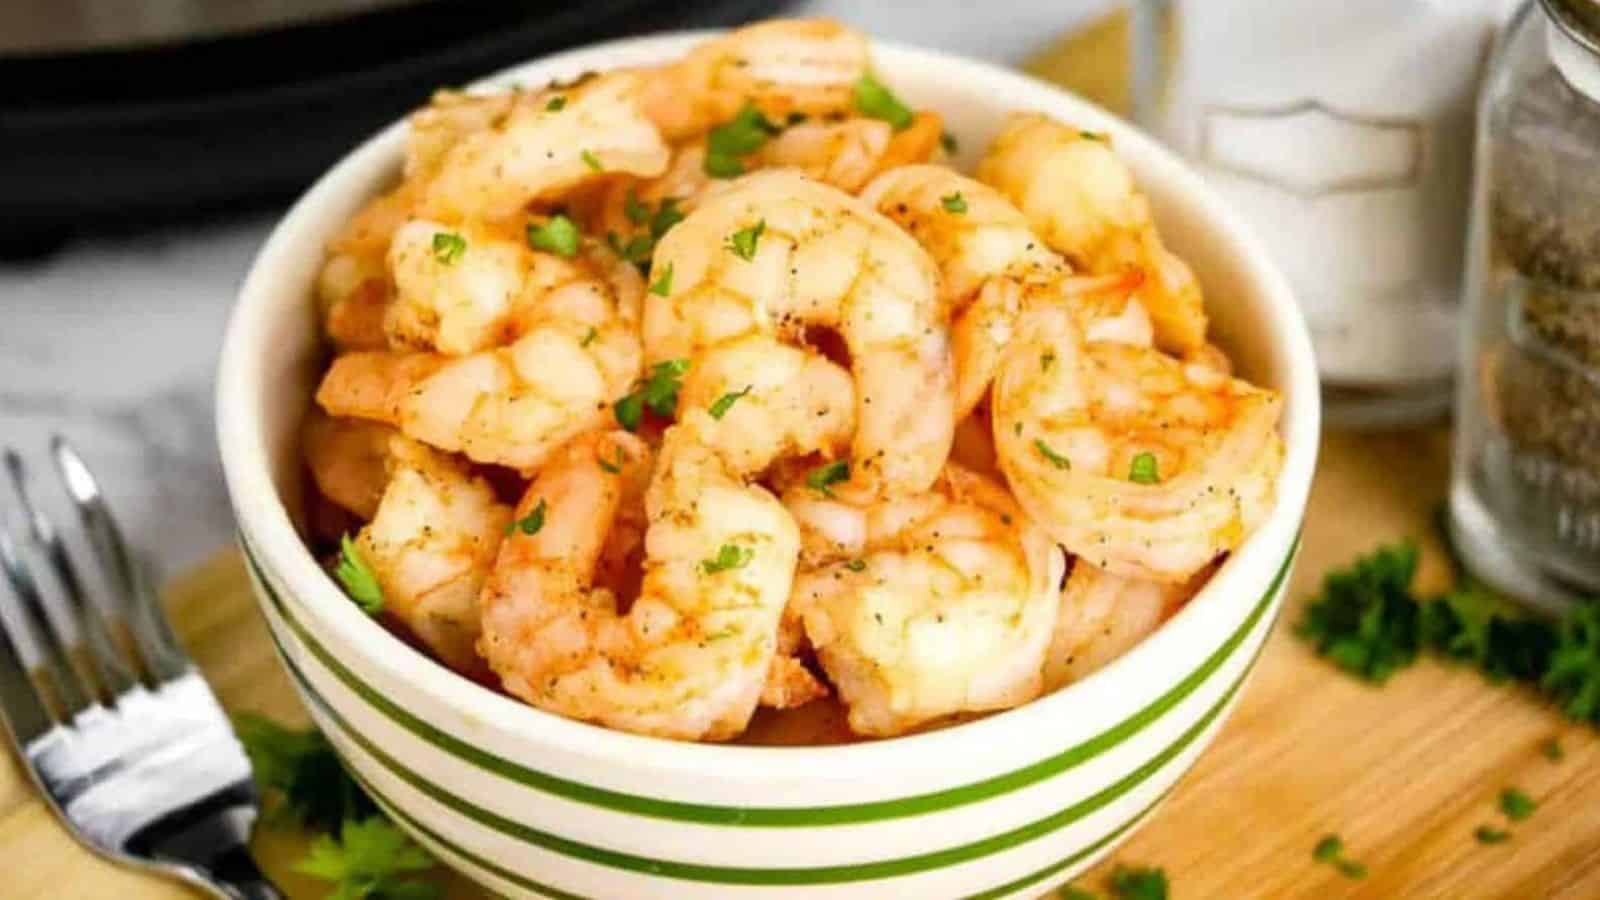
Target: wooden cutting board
[1403, 773]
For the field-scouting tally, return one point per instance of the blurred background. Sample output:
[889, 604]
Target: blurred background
[147, 148]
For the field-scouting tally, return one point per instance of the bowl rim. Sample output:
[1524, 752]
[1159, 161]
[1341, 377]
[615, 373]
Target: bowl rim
[264, 522]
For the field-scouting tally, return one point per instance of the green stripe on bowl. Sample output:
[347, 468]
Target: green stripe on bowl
[769, 876]
[778, 816]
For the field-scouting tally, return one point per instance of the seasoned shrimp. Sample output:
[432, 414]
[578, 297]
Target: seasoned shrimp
[1081, 197]
[776, 252]
[1103, 615]
[848, 153]
[431, 544]
[449, 116]
[691, 656]
[927, 605]
[348, 460]
[577, 353]
[805, 66]
[353, 288]
[1136, 462]
[540, 149]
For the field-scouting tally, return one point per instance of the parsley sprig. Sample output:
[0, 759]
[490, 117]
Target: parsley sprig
[658, 392]
[747, 132]
[359, 581]
[371, 858]
[874, 100]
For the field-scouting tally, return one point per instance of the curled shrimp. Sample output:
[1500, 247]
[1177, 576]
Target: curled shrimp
[543, 147]
[777, 253]
[804, 66]
[348, 460]
[1082, 199]
[1103, 615]
[431, 542]
[690, 657]
[1137, 463]
[576, 353]
[849, 153]
[353, 288]
[926, 605]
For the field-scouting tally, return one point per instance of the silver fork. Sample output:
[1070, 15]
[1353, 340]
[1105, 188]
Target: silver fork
[123, 737]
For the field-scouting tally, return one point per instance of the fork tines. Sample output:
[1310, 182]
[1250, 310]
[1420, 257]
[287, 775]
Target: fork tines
[88, 654]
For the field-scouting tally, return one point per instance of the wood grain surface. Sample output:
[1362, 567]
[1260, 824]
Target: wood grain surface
[1403, 773]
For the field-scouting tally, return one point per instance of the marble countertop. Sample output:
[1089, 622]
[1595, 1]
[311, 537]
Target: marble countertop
[114, 342]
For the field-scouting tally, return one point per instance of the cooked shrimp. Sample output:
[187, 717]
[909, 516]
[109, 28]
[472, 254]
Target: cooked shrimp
[789, 683]
[1102, 616]
[348, 460]
[776, 252]
[927, 605]
[848, 153]
[449, 116]
[690, 658]
[1082, 199]
[540, 149]
[353, 288]
[807, 66]
[431, 544]
[577, 354]
[1136, 462]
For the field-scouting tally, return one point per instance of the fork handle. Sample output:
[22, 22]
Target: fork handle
[237, 876]
[209, 842]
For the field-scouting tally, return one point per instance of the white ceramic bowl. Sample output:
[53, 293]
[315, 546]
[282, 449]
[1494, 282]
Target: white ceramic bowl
[531, 804]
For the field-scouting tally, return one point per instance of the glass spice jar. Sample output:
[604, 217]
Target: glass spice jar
[1525, 491]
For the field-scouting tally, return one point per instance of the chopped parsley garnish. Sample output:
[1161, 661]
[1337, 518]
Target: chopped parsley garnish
[556, 104]
[742, 135]
[613, 466]
[1143, 469]
[659, 392]
[743, 241]
[592, 161]
[1330, 850]
[371, 858]
[589, 338]
[729, 556]
[726, 401]
[876, 101]
[1139, 883]
[662, 286]
[954, 203]
[1056, 459]
[358, 579]
[1516, 805]
[448, 247]
[1487, 834]
[558, 235]
[1365, 620]
[948, 142]
[530, 523]
[299, 775]
[637, 250]
[667, 214]
[637, 213]
[856, 565]
[824, 477]
[642, 246]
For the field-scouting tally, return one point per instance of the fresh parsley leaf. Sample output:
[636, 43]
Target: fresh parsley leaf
[370, 860]
[530, 523]
[667, 214]
[743, 241]
[448, 247]
[1143, 469]
[358, 579]
[1572, 678]
[876, 101]
[1139, 883]
[1330, 850]
[558, 235]
[662, 286]
[637, 213]
[1516, 805]
[1365, 620]
[629, 410]
[949, 143]
[747, 132]
[729, 556]
[1487, 834]
[726, 401]
[954, 203]
[1056, 459]
[637, 250]
[661, 388]
[592, 161]
[824, 477]
[299, 775]
[556, 104]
